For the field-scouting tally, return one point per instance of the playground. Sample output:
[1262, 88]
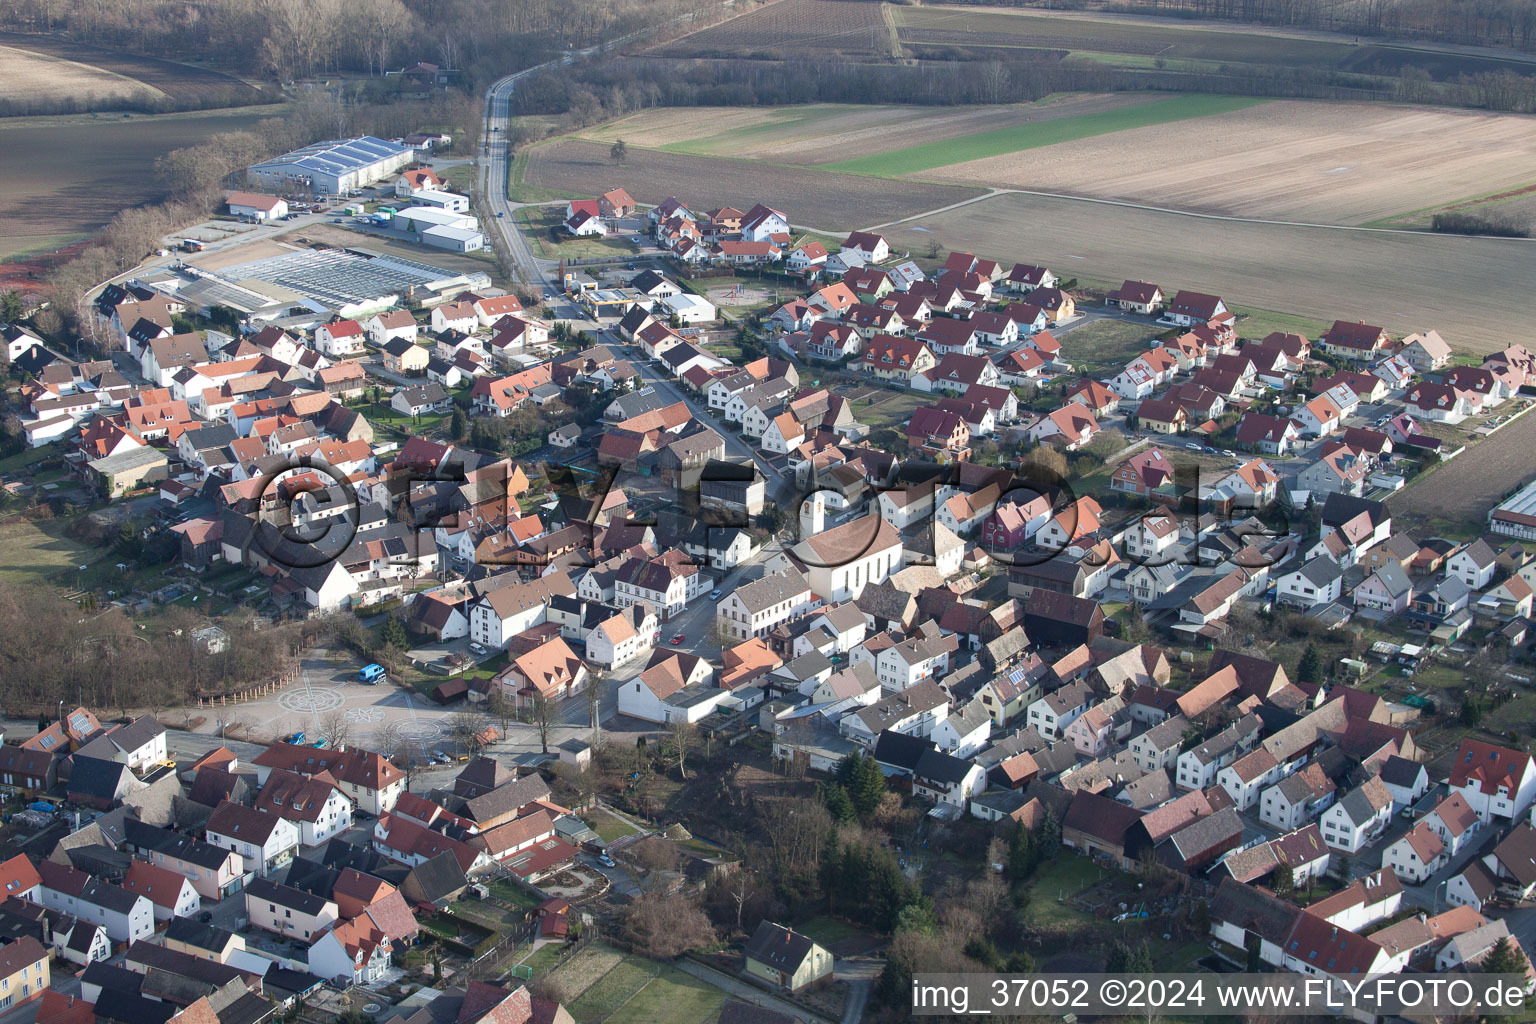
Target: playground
[739, 295]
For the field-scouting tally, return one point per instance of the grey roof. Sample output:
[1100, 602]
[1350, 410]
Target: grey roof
[935, 766]
[1165, 734]
[1320, 571]
[1399, 771]
[284, 896]
[129, 458]
[771, 590]
[1481, 553]
[778, 947]
[337, 156]
[1195, 839]
[174, 844]
[1393, 578]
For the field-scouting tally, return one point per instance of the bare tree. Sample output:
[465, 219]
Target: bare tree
[594, 696]
[683, 734]
[402, 750]
[335, 729]
[543, 713]
[667, 926]
[500, 707]
[740, 891]
[465, 727]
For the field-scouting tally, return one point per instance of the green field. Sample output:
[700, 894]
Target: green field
[615, 988]
[538, 221]
[608, 827]
[31, 552]
[671, 996]
[997, 142]
[1105, 344]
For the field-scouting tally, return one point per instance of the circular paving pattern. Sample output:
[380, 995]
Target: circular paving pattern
[421, 730]
[365, 714]
[308, 701]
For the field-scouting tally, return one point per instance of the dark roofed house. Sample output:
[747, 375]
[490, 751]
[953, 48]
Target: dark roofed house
[1097, 825]
[784, 958]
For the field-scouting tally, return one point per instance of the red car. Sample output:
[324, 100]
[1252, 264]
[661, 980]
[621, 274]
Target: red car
[677, 639]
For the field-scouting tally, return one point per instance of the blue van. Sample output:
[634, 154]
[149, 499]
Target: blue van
[370, 674]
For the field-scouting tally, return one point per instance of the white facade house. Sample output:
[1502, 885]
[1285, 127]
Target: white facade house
[264, 841]
[1358, 817]
[127, 917]
[844, 560]
[288, 912]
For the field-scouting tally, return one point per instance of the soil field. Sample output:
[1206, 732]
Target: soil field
[792, 29]
[71, 174]
[31, 76]
[1461, 492]
[1337, 163]
[825, 133]
[1471, 289]
[1089, 34]
[820, 200]
[987, 147]
[184, 83]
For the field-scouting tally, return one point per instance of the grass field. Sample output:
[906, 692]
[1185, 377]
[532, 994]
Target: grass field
[80, 170]
[821, 200]
[607, 827]
[928, 155]
[821, 133]
[31, 76]
[671, 996]
[1332, 163]
[1470, 289]
[1097, 346]
[1458, 495]
[30, 552]
[185, 83]
[538, 221]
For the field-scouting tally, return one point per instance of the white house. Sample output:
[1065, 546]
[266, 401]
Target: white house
[1495, 781]
[1358, 817]
[318, 809]
[288, 912]
[1416, 856]
[265, 841]
[127, 917]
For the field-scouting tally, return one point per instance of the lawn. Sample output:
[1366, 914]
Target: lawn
[1052, 888]
[538, 221]
[31, 552]
[520, 191]
[543, 958]
[1103, 344]
[613, 990]
[607, 827]
[21, 460]
[1260, 323]
[672, 996]
[928, 155]
[385, 414]
[827, 930]
[891, 409]
[513, 893]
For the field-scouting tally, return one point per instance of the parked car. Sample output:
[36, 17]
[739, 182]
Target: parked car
[677, 638]
[606, 861]
[714, 595]
[368, 675]
[477, 648]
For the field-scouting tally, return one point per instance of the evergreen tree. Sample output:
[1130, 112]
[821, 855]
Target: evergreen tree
[1049, 839]
[844, 772]
[1503, 958]
[1310, 668]
[1140, 959]
[1471, 711]
[1118, 958]
[830, 871]
[917, 916]
[457, 425]
[1284, 879]
[1022, 854]
[838, 804]
[867, 787]
[1019, 963]
[394, 633]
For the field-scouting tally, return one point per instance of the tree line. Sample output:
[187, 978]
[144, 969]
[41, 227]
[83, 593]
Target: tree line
[586, 94]
[100, 658]
[293, 38]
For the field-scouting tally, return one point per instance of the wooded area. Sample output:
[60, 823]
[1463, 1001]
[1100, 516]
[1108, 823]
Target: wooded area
[483, 38]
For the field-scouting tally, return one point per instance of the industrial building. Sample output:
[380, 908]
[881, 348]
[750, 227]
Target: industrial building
[346, 282]
[442, 200]
[331, 167]
[1515, 516]
[453, 239]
